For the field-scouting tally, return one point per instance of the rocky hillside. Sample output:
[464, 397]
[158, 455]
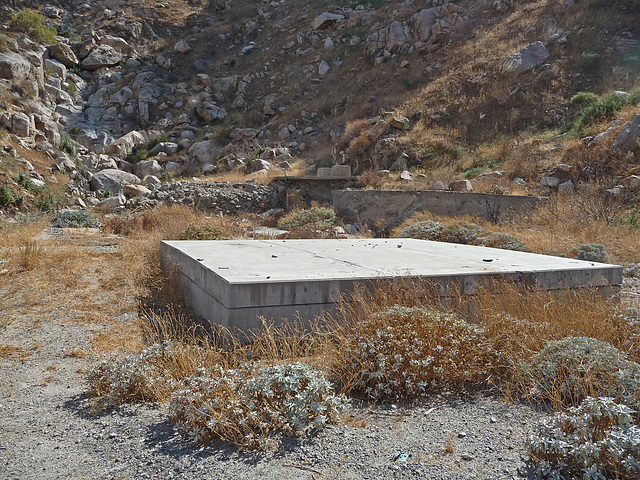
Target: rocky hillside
[108, 93]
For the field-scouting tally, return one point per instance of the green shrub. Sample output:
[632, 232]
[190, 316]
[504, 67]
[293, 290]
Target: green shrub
[25, 181]
[32, 24]
[72, 88]
[569, 370]
[247, 408]
[67, 145]
[46, 202]
[596, 440]
[74, 218]
[590, 60]
[591, 252]
[462, 232]
[405, 352]
[161, 139]
[320, 218]
[6, 197]
[634, 97]
[601, 109]
[584, 99]
[137, 155]
[205, 232]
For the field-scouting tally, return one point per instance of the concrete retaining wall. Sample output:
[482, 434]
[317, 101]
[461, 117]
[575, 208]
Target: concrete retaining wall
[394, 206]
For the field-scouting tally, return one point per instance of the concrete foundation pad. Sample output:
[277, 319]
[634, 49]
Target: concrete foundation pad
[233, 282]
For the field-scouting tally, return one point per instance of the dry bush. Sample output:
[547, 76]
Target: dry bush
[352, 130]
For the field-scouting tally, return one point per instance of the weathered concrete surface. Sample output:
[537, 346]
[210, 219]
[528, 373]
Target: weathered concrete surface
[368, 206]
[234, 282]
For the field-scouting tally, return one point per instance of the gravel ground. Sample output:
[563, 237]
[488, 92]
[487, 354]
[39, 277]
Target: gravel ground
[49, 428]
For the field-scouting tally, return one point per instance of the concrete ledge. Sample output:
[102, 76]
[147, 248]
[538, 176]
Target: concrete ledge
[233, 282]
[368, 206]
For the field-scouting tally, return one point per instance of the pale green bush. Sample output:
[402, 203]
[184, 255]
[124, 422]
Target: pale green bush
[320, 218]
[132, 378]
[247, 408]
[461, 232]
[591, 252]
[405, 352]
[74, 218]
[567, 371]
[597, 440]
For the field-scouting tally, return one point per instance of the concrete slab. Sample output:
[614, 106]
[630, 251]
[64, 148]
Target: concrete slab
[233, 282]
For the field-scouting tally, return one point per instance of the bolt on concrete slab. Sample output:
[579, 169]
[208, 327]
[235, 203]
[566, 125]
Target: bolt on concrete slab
[235, 282]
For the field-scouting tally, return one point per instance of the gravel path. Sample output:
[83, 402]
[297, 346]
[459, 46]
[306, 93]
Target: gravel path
[50, 430]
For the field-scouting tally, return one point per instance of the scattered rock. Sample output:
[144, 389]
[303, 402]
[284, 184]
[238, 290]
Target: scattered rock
[460, 185]
[323, 68]
[526, 59]
[100, 57]
[112, 180]
[629, 139]
[63, 53]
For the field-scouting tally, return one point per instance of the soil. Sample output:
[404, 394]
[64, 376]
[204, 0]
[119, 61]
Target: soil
[50, 428]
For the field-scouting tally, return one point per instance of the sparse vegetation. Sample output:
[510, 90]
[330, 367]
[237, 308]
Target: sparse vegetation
[315, 217]
[75, 219]
[33, 24]
[460, 232]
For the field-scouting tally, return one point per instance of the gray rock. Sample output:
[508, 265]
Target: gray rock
[124, 145]
[260, 164]
[182, 47]
[135, 190]
[172, 166]
[326, 20]
[526, 59]
[402, 123]
[21, 124]
[112, 180]
[54, 67]
[323, 68]
[169, 148]
[548, 181]
[629, 139]
[208, 168]
[147, 167]
[461, 185]
[203, 152]
[405, 175]
[111, 203]
[63, 54]
[14, 67]
[243, 134]
[117, 43]
[566, 187]
[102, 56]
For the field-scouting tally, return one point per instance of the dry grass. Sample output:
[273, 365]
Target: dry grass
[11, 351]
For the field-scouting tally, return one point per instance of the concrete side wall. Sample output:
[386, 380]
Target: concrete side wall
[394, 206]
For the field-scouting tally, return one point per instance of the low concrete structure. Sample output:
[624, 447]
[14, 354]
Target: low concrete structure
[394, 206]
[234, 282]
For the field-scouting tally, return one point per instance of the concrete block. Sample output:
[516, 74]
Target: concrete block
[234, 282]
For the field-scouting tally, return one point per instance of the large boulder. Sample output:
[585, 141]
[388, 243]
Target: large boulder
[203, 152]
[21, 124]
[63, 53]
[14, 67]
[325, 20]
[125, 144]
[529, 57]
[147, 167]
[112, 180]
[629, 139]
[102, 56]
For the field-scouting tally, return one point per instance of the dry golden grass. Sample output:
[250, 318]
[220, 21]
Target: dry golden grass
[11, 351]
[126, 338]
